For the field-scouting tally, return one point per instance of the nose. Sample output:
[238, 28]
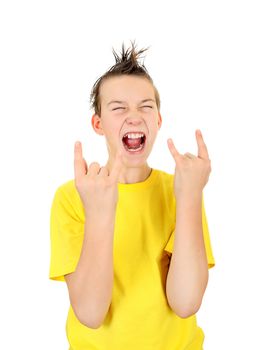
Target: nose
[134, 120]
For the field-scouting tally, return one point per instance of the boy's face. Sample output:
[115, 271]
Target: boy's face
[129, 114]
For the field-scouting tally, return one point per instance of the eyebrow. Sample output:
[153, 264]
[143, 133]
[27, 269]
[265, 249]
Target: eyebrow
[146, 100]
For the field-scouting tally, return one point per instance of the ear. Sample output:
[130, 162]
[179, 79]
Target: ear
[159, 121]
[97, 124]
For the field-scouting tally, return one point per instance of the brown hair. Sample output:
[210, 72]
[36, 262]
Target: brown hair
[127, 64]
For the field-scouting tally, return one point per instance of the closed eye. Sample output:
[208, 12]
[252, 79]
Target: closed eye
[114, 109]
[118, 108]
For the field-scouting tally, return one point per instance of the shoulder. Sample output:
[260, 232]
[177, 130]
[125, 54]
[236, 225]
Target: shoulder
[66, 190]
[67, 195]
[68, 187]
[164, 175]
[165, 178]
[165, 191]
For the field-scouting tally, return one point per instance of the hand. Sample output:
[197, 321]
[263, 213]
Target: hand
[97, 188]
[191, 172]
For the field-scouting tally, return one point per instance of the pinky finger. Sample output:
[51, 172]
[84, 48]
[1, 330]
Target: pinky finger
[176, 155]
[79, 162]
[85, 164]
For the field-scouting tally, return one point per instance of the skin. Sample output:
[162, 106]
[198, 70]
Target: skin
[191, 172]
[132, 115]
[188, 271]
[187, 277]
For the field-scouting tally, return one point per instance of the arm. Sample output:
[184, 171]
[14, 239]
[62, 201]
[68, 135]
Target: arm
[90, 286]
[188, 272]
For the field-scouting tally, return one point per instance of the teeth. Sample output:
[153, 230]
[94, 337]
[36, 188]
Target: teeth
[134, 136]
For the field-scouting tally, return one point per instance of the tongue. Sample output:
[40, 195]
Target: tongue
[132, 143]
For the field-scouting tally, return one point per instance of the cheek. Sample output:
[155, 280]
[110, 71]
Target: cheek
[113, 134]
[110, 128]
[154, 127]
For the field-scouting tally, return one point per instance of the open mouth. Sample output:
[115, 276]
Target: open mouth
[134, 141]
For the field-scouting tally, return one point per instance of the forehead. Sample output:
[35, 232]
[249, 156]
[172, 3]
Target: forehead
[126, 88]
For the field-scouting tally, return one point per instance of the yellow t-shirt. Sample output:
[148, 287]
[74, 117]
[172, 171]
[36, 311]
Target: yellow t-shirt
[139, 316]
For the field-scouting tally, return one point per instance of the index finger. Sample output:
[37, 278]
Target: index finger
[202, 148]
[79, 165]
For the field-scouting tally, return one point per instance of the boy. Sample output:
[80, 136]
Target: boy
[132, 242]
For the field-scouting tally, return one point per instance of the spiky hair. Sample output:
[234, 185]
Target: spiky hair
[126, 64]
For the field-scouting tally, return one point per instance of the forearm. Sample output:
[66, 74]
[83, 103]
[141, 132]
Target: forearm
[188, 272]
[94, 272]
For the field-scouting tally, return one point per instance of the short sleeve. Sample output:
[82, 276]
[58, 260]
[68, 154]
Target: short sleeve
[66, 232]
[206, 235]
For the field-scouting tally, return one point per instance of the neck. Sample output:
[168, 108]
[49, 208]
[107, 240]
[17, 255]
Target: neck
[131, 175]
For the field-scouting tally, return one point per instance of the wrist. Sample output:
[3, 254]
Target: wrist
[187, 192]
[101, 217]
[101, 226]
[189, 196]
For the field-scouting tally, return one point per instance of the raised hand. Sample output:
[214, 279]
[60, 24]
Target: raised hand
[97, 188]
[191, 172]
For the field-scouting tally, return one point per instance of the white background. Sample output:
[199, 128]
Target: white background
[208, 61]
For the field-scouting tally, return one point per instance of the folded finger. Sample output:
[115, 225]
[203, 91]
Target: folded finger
[103, 171]
[190, 155]
[93, 169]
